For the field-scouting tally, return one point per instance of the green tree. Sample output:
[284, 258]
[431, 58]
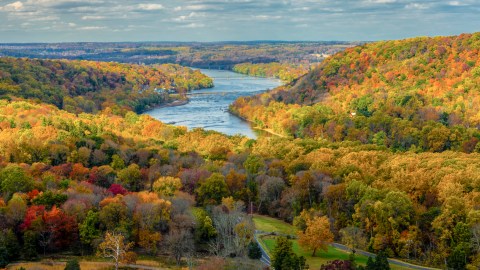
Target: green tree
[9, 247]
[380, 262]
[283, 257]
[72, 265]
[30, 245]
[14, 179]
[89, 230]
[131, 177]
[117, 163]
[253, 164]
[254, 251]
[212, 190]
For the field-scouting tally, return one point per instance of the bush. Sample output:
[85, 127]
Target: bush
[72, 265]
[254, 251]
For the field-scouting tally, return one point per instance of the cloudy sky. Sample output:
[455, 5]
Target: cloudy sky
[214, 20]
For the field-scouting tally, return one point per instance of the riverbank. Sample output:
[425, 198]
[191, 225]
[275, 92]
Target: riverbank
[178, 102]
[267, 130]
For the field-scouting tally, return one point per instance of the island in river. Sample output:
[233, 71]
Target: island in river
[208, 108]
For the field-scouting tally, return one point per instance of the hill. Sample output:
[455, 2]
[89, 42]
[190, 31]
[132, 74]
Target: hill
[421, 92]
[86, 86]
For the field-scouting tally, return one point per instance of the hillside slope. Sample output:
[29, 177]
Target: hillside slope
[85, 86]
[386, 89]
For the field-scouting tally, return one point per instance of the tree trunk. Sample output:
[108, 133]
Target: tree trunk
[314, 250]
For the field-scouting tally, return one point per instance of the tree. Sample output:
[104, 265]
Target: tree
[283, 257]
[14, 179]
[180, 238]
[353, 237]
[167, 185]
[89, 230]
[113, 246]
[254, 251]
[338, 265]
[380, 262]
[317, 235]
[130, 177]
[30, 245]
[212, 190]
[72, 265]
[9, 247]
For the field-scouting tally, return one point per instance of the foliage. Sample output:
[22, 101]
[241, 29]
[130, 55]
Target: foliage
[212, 190]
[283, 257]
[72, 265]
[283, 71]
[114, 246]
[85, 86]
[254, 251]
[317, 235]
[380, 262]
[414, 94]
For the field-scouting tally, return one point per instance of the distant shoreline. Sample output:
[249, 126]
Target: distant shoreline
[170, 104]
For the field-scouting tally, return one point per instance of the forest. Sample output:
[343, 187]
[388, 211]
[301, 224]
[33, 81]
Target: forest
[378, 151]
[210, 55]
[284, 71]
[86, 86]
[417, 94]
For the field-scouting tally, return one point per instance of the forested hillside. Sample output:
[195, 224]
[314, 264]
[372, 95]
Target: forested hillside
[286, 72]
[66, 180]
[84, 86]
[421, 93]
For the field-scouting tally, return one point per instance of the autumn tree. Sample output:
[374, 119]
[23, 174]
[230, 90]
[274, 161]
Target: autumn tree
[317, 235]
[212, 190]
[353, 237]
[167, 185]
[114, 246]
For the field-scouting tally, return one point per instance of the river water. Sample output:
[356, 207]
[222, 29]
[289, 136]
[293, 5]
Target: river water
[208, 108]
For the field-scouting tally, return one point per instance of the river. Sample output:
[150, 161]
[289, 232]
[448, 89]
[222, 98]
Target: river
[208, 108]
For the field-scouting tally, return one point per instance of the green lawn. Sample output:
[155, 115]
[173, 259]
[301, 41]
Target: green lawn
[321, 257]
[268, 224]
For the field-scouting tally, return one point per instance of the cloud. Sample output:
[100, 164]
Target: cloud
[15, 6]
[234, 19]
[92, 17]
[91, 28]
[457, 4]
[417, 6]
[150, 7]
[381, 1]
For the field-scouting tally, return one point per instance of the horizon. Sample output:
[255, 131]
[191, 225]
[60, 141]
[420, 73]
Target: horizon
[116, 21]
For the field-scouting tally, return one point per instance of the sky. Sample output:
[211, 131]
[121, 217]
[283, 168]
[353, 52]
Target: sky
[233, 20]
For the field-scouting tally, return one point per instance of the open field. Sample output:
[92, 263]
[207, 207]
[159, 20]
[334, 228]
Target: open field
[268, 224]
[272, 225]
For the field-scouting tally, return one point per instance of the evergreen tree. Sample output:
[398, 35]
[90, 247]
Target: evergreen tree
[380, 262]
[30, 245]
[284, 258]
[72, 265]
[254, 251]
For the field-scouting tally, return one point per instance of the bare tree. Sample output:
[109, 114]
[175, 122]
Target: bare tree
[114, 247]
[180, 237]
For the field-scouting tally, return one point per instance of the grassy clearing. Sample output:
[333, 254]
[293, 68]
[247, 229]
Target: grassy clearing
[268, 224]
[321, 257]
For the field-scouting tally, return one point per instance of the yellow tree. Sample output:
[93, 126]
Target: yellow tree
[317, 235]
[113, 246]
